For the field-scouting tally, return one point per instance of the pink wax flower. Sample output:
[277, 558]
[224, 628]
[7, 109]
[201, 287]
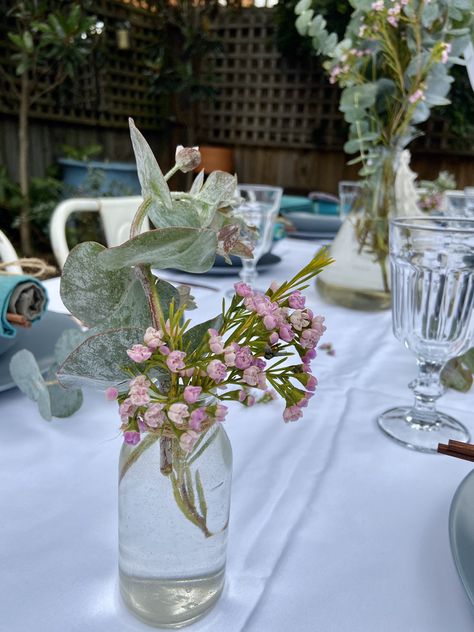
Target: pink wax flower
[312, 383]
[178, 413]
[221, 412]
[446, 49]
[378, 5]
[253, 376]
[141, 381]
[164, 350]
[153, 338]
[191, 394]
[197, 417]
[175, 361]
[260, 363]
[242, 395]
[111, 393]
[139, 353]
[216, 345]
[217, 370]
[418, 95]
[296, 300]
[229, 356]
[309, 355]
[299, 320]
[286, 333]
[188, 439]
[243, 358]
[242, 289]
[154, 416]
[131, 437]
[269, 322]
[302, 403]
[127, 409]
[250, 400]
[139, 396]
[187, 372]
[293, 413]
[274, 338]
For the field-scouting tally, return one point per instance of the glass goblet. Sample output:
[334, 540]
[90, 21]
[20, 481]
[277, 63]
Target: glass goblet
[259, 209]
[432, 266]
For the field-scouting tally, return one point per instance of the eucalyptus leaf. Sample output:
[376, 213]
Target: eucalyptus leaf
[151, 179]
[27, 376]
[184, 248]
[183, 213]
[197, 184]
[101, 360]
[64, 401]
[88, 289]
[67, 342]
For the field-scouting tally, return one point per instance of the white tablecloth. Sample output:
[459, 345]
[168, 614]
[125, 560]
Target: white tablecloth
[333, 526]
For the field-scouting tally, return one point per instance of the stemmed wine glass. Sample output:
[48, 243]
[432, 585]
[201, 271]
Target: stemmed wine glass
[259, 209]
[432, 265]
[348, 191]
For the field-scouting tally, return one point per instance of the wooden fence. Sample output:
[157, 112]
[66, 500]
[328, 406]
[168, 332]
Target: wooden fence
[282, 119]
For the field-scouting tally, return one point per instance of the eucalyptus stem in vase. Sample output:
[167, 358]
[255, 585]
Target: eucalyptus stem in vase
[393, 67]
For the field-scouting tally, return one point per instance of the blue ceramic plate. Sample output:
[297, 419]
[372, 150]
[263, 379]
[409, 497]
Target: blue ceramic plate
[40, 340]
[461, 533]
[312, 223]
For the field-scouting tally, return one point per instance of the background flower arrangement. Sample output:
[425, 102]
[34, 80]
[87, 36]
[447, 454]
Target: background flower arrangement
[393, 65]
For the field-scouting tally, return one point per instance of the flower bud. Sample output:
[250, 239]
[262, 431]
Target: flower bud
[187, 158]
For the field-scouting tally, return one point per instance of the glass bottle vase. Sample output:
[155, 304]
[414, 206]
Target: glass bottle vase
[173, 517]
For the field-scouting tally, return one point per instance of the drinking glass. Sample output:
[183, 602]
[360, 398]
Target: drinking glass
[349, 191]
[259, 209]
[432, 266]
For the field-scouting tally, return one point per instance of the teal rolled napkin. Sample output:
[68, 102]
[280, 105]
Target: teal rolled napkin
[23, 295]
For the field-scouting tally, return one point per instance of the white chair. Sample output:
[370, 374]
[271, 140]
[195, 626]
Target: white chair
[7, 254]
[116, 214]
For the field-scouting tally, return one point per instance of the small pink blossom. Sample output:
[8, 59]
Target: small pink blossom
[418, 95]
[175, 361]
[131, 437]
[139, 353]
[191, 394]
[253, 376]
[446, 49]
[274, 338]
[312, 383]
[126, 409]
[141, 381]
[309, 338]
[274, 286]
[178, 413]
[242, 289]
[250, 400]
[269, 322]
[188, 439]
[286, 333]
[378, 5]
[221, 412]
[154, 416]
[164, 350]
[293, 413]
[296, 300]
[299, 320]
[229, 356]
[197, 417]
[243, 358]
[309, 355]
[139, 396]
[217, 370]
[153, 338]
[111, 393]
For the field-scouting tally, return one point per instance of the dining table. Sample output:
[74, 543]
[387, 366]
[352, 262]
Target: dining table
[333, 527]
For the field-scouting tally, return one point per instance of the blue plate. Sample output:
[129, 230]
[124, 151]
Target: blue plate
[40, 340]
[461, 533]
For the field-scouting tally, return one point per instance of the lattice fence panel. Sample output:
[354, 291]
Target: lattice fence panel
[262, 100]
[112, 86]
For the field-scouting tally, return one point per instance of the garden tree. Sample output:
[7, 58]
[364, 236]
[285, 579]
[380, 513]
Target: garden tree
[50, 41]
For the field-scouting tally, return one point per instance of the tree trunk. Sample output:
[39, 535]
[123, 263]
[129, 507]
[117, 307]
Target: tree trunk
[25, 229]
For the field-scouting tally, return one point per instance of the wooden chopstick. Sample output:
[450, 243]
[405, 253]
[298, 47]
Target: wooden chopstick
[18, 319]
[457, 449]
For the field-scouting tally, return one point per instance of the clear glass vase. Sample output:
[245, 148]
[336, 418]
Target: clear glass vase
[173, 517]
[359, 276]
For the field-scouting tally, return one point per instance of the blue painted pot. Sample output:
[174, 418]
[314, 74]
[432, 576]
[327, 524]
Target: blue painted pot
[115, 178]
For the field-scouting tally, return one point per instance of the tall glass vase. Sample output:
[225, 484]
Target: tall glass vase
[359, 277]
[173, 517]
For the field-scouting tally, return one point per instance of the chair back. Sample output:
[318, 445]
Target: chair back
[8, 253]
[116, 215]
